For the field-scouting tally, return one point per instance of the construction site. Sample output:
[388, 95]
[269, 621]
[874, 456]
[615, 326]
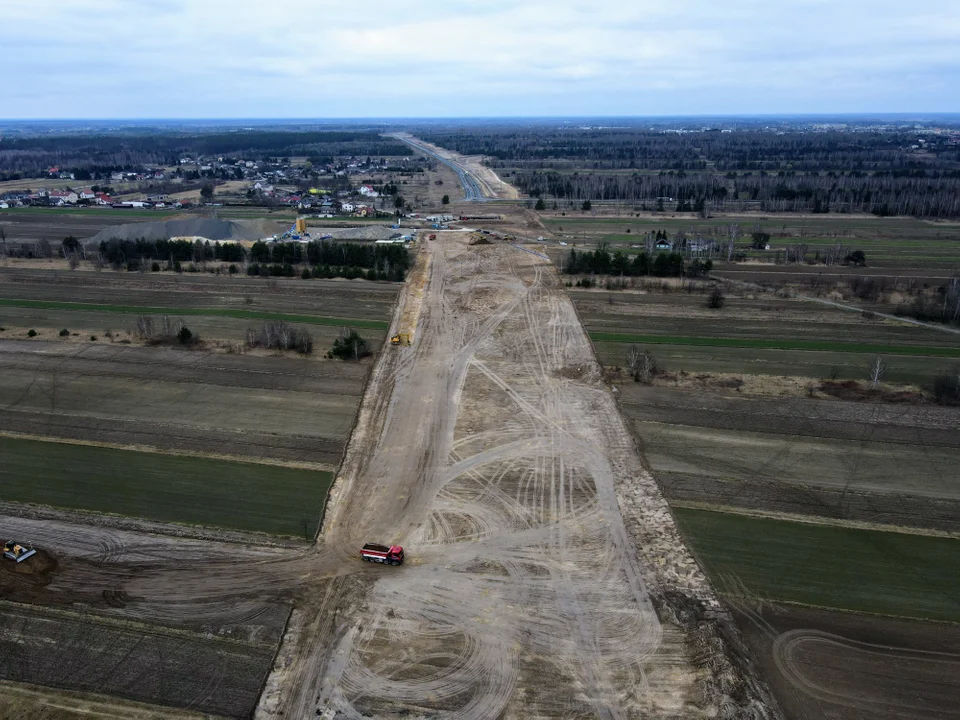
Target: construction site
[544, 576]
[501, 488]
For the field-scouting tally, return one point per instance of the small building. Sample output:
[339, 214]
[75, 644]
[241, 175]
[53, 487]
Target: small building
[63, 197]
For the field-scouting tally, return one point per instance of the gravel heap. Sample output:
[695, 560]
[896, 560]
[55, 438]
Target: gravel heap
[209, 228]
[369, 233]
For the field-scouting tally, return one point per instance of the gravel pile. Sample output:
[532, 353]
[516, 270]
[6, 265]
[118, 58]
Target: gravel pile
[370, 233]
[208, 228]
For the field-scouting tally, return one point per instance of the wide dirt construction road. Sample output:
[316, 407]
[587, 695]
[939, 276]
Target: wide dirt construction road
[492, 451]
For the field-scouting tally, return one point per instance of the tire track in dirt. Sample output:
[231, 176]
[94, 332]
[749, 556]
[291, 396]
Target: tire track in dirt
[520, 571]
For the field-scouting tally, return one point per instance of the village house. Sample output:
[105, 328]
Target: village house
[63, 197]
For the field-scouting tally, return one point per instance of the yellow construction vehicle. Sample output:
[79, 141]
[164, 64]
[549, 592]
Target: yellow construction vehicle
[17, 551]
[401, 339]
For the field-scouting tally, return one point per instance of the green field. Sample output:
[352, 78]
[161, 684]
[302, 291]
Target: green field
[221, 312]
[906, 243]
[826, 566]
[164, 488]
[815, 345]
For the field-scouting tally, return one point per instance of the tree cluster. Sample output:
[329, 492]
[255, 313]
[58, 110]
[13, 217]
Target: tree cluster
[280, 335]
[328, 258]
[349, 346]
[602, 262]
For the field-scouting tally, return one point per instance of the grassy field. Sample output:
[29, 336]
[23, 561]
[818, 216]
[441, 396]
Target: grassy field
[164, 488]
[181, 311]
[887, 242]
[759, 333]
[833, 567]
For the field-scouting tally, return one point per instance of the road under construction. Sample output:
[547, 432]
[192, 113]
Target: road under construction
[543, 573]
[473, 191]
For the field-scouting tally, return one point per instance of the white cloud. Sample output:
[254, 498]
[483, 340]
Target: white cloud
[153, 58]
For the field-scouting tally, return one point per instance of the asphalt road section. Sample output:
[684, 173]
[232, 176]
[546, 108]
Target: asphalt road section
[472, 190]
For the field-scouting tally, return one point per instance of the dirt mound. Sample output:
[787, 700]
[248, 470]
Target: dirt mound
[18, 581]
[857, 391]
[208, 228]
[368, 233]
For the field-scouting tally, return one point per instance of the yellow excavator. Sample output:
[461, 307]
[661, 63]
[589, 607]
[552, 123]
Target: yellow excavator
[401, 339]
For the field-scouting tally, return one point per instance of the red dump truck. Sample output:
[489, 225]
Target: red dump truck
[388, 555]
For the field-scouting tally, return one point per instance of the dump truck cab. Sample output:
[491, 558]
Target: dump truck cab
[386, 554]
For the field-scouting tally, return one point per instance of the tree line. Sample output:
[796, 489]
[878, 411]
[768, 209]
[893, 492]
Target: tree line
[766, 170]
[328, 258]
[664, 264]
[739, 149]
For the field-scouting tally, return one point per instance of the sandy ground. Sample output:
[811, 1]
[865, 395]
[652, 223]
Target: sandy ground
[545, 576]
[494, 454]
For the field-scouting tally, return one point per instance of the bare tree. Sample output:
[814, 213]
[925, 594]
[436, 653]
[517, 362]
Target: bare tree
[641, 363]
[877, 371]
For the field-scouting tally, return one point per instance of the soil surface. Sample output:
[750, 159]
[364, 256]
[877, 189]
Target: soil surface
[840, 666]
[492, 451]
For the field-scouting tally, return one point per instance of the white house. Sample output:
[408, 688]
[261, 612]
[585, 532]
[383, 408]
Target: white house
[347, 207]
[61, 197]
[87, 195]
[368, 191]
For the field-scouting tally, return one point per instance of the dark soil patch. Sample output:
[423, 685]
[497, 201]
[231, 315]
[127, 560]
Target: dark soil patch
[843, 666]
[861, 392]
[36, 570]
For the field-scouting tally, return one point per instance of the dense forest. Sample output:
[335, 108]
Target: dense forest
[32, 156]
[881, 172]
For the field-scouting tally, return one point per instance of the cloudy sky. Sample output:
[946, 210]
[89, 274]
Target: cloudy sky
[419, 58]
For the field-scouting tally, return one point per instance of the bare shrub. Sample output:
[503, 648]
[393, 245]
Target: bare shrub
[877, 371]
[279, 335]
[163, 330]
[946, 387]
[716, 298]
[643, 366]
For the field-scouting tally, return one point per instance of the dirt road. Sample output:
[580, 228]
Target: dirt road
[494, 454]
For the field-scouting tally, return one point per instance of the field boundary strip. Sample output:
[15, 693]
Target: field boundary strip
[210, 312]
[812, 519]
[774, 344]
